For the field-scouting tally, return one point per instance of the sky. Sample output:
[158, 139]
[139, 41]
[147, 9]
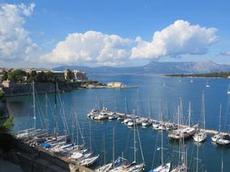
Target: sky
[48, 33]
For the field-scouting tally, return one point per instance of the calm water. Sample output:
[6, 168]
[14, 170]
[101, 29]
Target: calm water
[152, 92]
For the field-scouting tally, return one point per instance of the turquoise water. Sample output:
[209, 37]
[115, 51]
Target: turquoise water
[152, 92]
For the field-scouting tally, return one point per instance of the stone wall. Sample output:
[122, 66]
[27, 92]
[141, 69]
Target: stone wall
[32, 159]
[40, 88]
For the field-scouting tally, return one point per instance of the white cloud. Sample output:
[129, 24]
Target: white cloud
[90, 47]
[179, 38]
[15, 42]
[96, 48]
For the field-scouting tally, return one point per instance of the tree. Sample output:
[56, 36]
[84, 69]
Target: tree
[16, 75]
[50, 76]
[69, 75]
[5, 76]
[41, 77]
[31, 76]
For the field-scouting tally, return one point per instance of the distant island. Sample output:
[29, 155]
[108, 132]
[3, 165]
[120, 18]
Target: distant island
[211, 74]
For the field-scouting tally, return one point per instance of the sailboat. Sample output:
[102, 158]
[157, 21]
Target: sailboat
[221, 138]
[201, 135]
[164, 167]
[182, 167]
[134, 166]
[122, 165]
[181, 132]
[105, 167]
[215, 137]
[34, 131]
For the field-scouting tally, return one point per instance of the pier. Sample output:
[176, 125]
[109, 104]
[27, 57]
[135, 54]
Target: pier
[130, 119]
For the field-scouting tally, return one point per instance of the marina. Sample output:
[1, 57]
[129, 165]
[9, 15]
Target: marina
[96, 135]
[174, 131]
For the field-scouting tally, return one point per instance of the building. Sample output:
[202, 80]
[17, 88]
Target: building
[80, 76]
[59, 75]
[7, 84]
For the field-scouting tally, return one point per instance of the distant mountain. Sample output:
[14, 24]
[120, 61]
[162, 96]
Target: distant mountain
[155, 68]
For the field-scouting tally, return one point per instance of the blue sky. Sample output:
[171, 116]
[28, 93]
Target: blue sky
[50, 22]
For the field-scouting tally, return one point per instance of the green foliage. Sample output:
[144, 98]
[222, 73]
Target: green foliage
[70, 75]
[31, 76]
[5, 75]
[211, 74]
[8, 122]
[16, 75]
[1, 94]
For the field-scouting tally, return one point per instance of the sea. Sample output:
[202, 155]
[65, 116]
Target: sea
[148, 95]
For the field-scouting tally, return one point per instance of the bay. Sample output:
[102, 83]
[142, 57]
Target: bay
[151, 93]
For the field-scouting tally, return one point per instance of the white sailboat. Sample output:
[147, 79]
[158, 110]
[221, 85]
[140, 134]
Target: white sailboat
[164, 167]
[215, 137]
[30, 132]
[89, 161]
[108, 166]
[182, 167]
[134, 166]
[201, 135]
[181, 132]
[221, 138]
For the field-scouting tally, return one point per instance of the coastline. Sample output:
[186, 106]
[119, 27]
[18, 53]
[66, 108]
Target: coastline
[225, 75]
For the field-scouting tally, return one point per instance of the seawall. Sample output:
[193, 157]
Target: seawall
[33, 159]
[40, 88]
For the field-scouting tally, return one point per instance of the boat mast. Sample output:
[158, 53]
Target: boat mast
[104, 149]
[113, 147]
[34, 106]
[189, 113]
[203, 108]
[90, 139]
[220, 117]
[197, 160]
[134, 143]
[47, 119]
[162, 154]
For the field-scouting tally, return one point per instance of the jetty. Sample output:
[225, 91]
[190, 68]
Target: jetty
[170, 127]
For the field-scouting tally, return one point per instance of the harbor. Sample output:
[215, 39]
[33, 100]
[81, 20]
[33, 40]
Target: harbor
[83, 123]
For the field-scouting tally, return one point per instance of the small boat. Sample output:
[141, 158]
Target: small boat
[158, 126]
[105, 168]
[136, 168]
[130, 123]
[76, 155]
[89, 161]
[162, 168]
[215, 137]
[200, 136]
[146, 123]
[127, 120]
[224, 140]
[180, 168]
[111, 117]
